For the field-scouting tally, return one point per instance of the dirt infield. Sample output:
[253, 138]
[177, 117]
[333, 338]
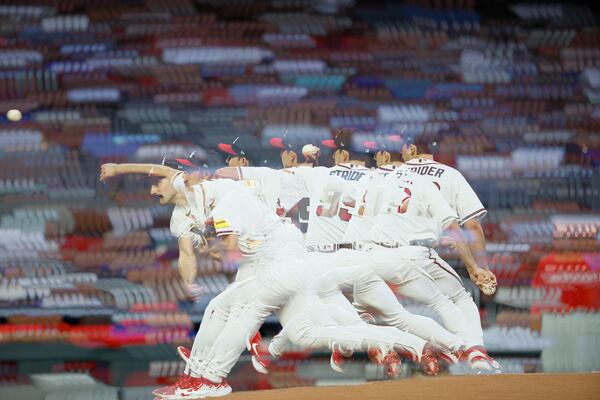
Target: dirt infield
[505, 387]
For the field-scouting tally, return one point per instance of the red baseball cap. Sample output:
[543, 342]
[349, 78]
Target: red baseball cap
[227, 148]
[277, 142]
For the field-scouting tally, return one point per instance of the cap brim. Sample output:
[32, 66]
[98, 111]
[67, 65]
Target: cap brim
[185, 162]
[227, 148]
[277, 143]
[330, 143]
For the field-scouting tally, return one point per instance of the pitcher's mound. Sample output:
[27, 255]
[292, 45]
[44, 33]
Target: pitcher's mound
[488, 387]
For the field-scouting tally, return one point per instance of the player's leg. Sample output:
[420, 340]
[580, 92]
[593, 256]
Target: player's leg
[373, 335]
[351, 268]
[452, 286]
[279, 344]
[257, 298]
[245, 270]
[378, 340]
[214, 319]
[400, 267]
[314, 326]
[293, 319]
[374, 293]
[310, 322]
[245, 318]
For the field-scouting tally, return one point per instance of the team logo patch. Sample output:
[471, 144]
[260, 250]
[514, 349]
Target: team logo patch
[222, 224]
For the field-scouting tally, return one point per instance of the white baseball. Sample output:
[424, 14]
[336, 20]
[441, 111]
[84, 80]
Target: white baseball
[488, 289]
[310, 150]
[14, 115]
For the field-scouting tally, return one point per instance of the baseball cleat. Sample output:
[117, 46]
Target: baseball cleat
[495, 364]
[218, 389]
[260, 355]
[337, 358]
[184, 388]
[190, 388]
[479, 361]
[184, 353]
[392, 364]
[449, 357]
[429, 360]
[375, 355]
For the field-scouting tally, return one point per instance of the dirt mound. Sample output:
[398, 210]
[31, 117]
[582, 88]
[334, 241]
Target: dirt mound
[505, 387]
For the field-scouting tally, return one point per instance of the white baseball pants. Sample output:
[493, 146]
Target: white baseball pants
[450, 283]
[406, 267]
[351, 269]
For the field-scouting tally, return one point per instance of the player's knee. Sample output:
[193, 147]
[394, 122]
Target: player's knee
[398, 320]
[438, 301]
[461, 296]
[300, 337]
[217, 308]
[359, 307]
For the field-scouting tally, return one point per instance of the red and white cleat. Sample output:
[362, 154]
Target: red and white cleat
[479, 361]
[337, 357]
[375, 355]
[260, 354]
[391, 363]
[169, 390]
[184, 353]
[429, 360]
[496, 365]
[448, 357]
[190, 388]
[219, 389]
[186, 387]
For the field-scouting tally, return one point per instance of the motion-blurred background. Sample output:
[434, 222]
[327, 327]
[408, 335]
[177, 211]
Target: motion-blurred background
[507, 92]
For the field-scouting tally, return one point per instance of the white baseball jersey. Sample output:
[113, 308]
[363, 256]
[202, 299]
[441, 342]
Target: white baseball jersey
[297, 205]
[453, 186]
[360, 225]
[189, 219]
[407, 208]
[244, 215]
[329, 189]
[263, 181]
[184, 224]
[281, 190]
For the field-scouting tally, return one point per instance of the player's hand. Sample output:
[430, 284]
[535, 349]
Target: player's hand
[485, 280]
[492, 277]
[194, 292]
[490, 288]
[108, 171]
[311, 152]
[479, 276]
